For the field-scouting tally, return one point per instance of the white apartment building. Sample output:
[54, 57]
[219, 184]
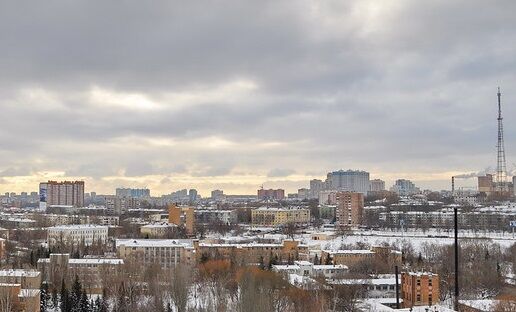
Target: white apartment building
[306, 268]
[77, 234]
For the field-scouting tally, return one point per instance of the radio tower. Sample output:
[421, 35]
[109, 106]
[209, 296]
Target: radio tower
[501, 168]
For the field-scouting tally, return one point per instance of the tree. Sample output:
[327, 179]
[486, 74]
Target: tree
[44, 297]
[65, 304]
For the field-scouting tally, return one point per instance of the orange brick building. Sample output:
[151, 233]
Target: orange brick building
[182, 216]
[421, 288]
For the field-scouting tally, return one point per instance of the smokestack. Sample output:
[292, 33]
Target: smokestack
[453, 185]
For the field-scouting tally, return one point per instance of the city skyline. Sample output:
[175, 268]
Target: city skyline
[148, 98]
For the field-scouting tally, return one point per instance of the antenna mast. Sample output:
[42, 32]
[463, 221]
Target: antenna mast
[501, 167]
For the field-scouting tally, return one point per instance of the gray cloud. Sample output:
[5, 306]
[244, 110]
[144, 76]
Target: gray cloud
[253, 87]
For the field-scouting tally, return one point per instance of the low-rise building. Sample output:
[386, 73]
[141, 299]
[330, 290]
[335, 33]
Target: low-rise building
[157, 230]
[77, 234]
[210, 216]
[255, 253]
[306, 268]
[419, 289]
[90, 271]
[272, 217]
[354, 257]
[167, 253]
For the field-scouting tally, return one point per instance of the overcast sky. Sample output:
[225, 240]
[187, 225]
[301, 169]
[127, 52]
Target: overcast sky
[233, 94]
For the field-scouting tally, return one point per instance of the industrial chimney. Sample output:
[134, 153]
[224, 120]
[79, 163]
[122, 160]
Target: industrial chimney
[453, 185]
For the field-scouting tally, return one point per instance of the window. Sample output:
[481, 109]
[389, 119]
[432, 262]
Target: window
[418, 298]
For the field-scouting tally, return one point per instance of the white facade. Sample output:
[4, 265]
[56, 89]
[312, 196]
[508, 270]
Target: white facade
[77, 234]
[305, 268]
[349, 180]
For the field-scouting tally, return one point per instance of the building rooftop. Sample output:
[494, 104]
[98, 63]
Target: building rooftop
[154, 242]
[19, 273]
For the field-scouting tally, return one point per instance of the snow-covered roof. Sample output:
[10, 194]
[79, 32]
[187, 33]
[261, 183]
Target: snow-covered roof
[19, 273]
[154, 242]
[78, 227]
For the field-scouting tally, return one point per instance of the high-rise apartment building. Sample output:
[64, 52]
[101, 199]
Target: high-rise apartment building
[217, 195]
[404, 187]
[192, 194]
[349, 180]
[65, 193]
[350, 208]
[278, 194]
[377, 185]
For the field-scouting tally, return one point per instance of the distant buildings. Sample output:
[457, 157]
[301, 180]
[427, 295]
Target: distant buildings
[217, 195]
[212, 216]
[350, 208]
[349, 180]
[486, 184]
[132, 192]
[61, 193]
[273, 217]
[419, 289]
[404, 187]
[278, 194]
[118, 205]
[192, 195]
[77, 234]
[377, 186]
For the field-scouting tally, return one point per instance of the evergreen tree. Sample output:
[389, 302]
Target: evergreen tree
[103, 307]
[84, 303]
[65, 304]
[54, 297]
[44, 297]
[76, 295]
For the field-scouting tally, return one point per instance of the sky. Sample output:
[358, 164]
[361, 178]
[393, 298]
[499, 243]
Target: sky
[233, 95]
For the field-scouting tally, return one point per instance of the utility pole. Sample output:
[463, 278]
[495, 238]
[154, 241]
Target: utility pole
[456, 260]
[397, 287]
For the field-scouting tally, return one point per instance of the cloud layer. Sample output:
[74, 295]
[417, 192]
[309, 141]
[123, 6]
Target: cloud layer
[235, 94]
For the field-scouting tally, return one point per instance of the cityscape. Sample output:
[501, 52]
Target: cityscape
[270, 156]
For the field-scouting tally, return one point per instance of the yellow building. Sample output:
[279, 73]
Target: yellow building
[182, 216]
[287, 251]
[279, 216]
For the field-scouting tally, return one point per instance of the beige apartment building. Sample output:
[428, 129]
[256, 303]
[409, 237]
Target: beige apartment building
[168, 253]
[350, 209]
[274, 217]
[68, 193]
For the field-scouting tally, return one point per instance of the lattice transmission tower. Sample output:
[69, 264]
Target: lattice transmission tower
[501, 166]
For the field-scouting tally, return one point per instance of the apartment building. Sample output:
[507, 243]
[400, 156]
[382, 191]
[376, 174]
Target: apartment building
[168, 253]
[277, 194]
[350, 209]
[419, 289]
[273, 217]
[77, 234]
[70, 193]
[182, 216]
